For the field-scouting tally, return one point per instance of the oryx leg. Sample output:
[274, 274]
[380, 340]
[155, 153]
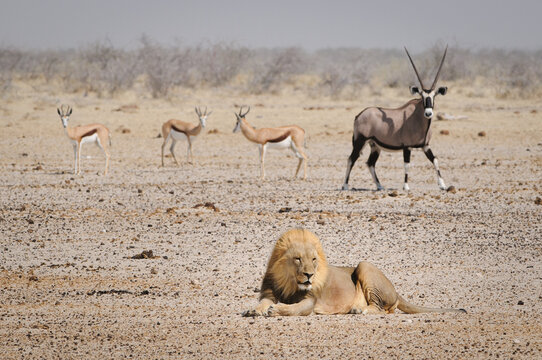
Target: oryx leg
[406, 158]
[172, 150]
[371, 162]
[357, 146]
[434, 161]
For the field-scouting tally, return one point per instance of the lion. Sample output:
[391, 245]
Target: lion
[298, 281]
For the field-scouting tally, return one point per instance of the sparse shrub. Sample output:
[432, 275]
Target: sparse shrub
[220, 63]
[339, 73]
[276, 69]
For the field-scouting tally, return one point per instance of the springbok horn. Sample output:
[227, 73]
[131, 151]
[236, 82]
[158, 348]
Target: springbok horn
[415, 70]
[197, 111]
[246, 112]
[439, 68]
[205, 111]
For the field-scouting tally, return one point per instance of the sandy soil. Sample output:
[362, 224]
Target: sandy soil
[69, 287]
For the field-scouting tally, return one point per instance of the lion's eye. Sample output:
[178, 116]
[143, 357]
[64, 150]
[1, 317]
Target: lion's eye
[298, 260]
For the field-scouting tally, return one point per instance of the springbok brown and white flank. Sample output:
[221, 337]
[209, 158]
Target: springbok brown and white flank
[79, 135]
[180, 130]
[403, 128]
[283, 137]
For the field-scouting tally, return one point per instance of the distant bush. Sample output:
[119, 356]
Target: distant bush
[105, 70]
[276, 67]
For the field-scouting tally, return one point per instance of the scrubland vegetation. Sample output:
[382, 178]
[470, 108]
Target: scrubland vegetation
[106, 70]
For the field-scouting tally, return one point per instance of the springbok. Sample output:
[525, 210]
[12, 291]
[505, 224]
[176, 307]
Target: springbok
[180, 130]
[403, 128]
[283, 137]
[79, 135]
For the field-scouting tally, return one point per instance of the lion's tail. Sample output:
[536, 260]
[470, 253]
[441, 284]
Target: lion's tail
[409, 308]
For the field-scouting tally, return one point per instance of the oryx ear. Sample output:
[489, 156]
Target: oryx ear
[69, 112]
[58, 111]
[414, 90]
[442, 90]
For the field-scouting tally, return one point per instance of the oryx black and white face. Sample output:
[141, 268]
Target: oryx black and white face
[428, 98]
[64, 115]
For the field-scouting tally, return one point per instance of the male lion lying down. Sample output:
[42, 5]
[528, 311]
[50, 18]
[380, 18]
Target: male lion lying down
[298, 281]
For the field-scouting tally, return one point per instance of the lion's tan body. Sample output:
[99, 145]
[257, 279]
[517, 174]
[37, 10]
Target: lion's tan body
[299, 281]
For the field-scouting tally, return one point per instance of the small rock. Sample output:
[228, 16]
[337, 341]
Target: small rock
[153, 271]
[394, 193]
[208, 205]
[482, 133]
[521, 302]
[451, 189]
[285, 209]
[372, 218]
[538, 200]
[444, 132]
[146, 254]
[39, 167]
[320, 222]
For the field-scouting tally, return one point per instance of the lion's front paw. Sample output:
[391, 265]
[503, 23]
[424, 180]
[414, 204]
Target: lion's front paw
[272, 311]
[252, 313]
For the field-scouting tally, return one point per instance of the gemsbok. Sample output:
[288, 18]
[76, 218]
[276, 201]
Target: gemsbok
[403, 128]
[282, 137]
[180, 130]
[82, 134]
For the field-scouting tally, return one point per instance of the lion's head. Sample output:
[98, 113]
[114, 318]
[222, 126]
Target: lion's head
[297, 264]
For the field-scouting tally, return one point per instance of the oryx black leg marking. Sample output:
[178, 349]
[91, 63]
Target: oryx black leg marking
[357, 146]
[427, 151]
[406, 159]
[371, 162]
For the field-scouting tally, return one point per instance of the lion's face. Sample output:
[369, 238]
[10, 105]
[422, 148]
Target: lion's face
[298, 263]
[304, 263]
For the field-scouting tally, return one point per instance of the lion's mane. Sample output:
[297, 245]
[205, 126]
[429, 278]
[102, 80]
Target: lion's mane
[283, 280]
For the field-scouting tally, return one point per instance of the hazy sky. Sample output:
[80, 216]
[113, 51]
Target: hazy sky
[310, 24]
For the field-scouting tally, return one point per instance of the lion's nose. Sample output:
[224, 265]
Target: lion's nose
[308, 275]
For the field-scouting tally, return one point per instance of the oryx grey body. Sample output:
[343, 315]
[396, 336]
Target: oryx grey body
[403, 128]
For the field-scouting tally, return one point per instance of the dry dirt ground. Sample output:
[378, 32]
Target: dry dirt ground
[70, 287]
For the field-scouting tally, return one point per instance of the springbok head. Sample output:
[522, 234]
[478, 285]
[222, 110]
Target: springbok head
[428, 95]
[240, 117]
[202, 116]
[65, 111]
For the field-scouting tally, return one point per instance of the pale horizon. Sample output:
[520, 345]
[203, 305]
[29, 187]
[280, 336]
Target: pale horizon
[311, 25]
